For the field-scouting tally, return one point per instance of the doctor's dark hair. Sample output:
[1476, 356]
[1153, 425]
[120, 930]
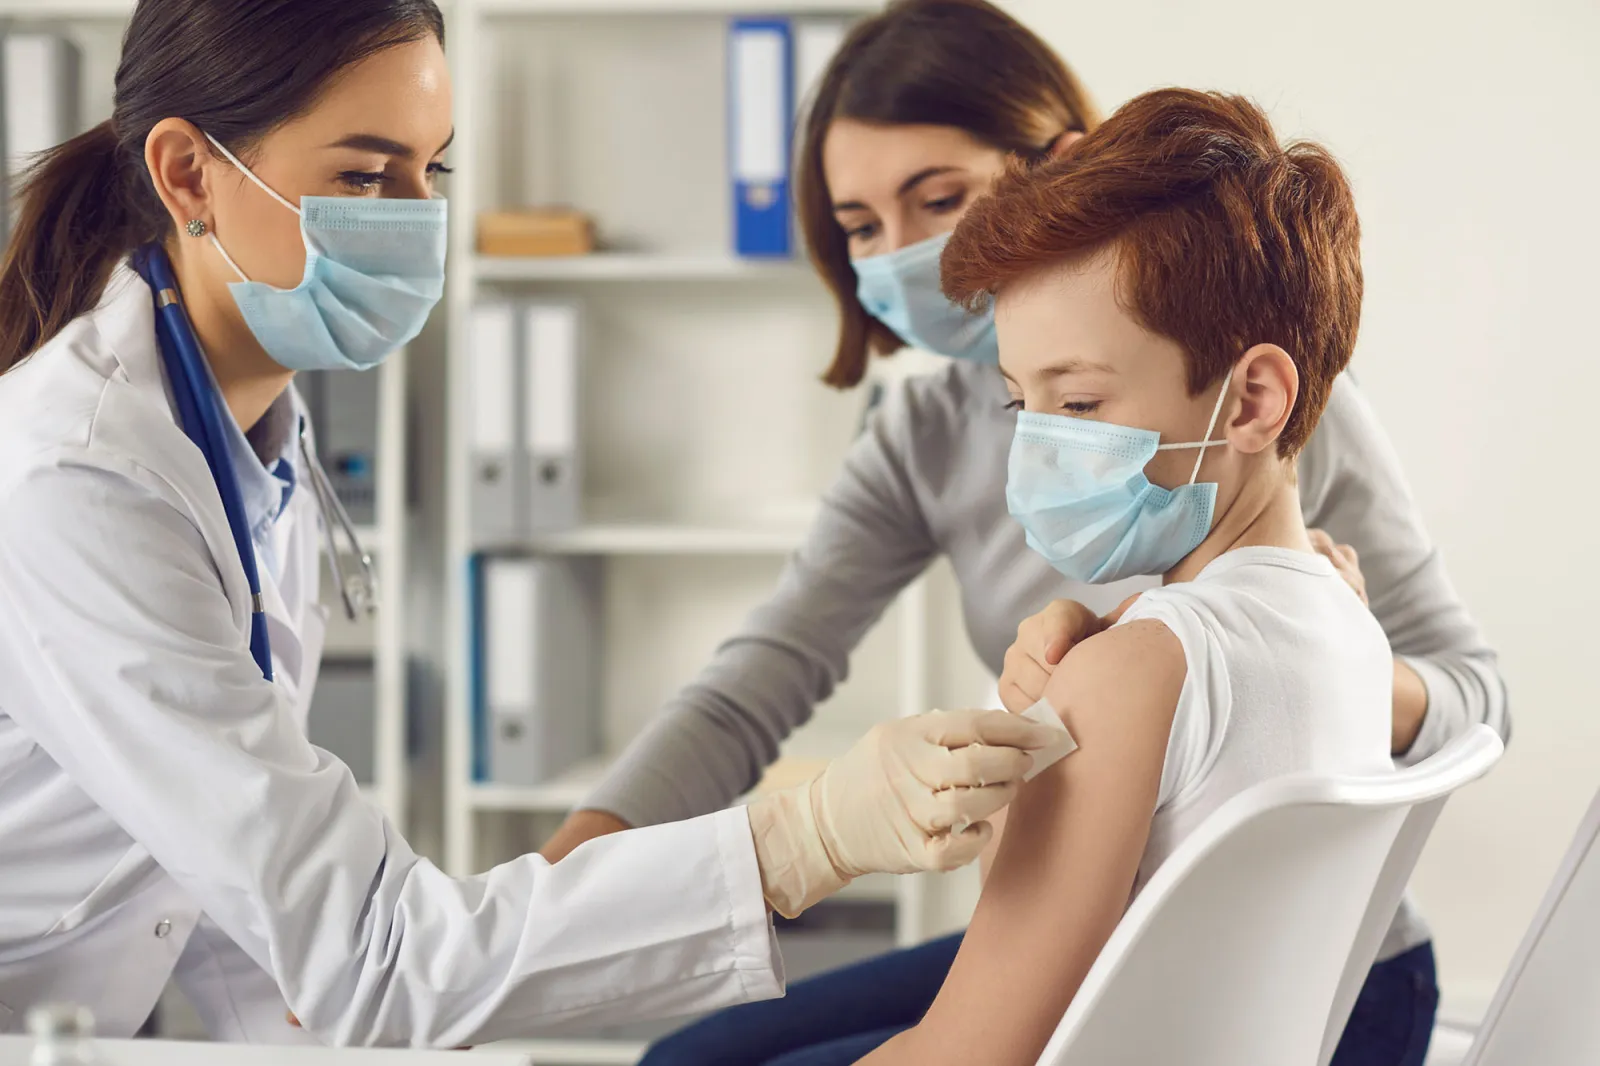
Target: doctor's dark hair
[1223, 237]
[237, 69]
[958, 63]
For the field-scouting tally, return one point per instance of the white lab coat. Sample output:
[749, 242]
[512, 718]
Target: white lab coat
[162, 812]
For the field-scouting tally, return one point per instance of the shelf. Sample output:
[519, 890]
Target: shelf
[676, 7]
[48, 10]
[670, 539]
[637, 266]
[557, 796]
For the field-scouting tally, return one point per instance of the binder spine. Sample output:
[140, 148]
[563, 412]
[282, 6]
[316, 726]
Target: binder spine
[760, 110]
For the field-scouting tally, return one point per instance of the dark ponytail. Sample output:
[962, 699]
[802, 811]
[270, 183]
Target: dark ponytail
[238, 69]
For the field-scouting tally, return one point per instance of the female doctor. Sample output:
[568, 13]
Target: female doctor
[262, 202]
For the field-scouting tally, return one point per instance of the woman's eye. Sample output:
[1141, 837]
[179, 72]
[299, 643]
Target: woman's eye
[1081, 407]
[863, 232]
[948, 203]
[1014, 405]
[435, 169]
[363, 180]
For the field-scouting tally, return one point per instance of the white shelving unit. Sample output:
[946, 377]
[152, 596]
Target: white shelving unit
[380, 638]
[386, 542]
[634, 266]
[518, 77]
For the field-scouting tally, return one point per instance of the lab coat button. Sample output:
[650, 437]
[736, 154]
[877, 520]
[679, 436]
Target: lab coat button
[163, 927]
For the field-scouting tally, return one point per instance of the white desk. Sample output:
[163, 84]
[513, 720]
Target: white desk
[18, 1051]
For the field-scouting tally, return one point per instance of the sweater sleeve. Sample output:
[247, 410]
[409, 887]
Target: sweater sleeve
[712, 741]
[1351, 485]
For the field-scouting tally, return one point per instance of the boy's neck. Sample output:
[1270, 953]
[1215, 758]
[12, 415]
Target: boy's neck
[1265, 513]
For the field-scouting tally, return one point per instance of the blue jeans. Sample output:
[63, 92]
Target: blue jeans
[835, 1018]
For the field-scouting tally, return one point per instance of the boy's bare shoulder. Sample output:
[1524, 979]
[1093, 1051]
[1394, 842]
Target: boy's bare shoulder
[1133, 669]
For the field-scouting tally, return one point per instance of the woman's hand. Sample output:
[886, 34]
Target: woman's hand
[1043, 640]
[1344, 560]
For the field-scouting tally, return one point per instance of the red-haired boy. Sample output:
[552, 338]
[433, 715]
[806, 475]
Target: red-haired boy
[1173, 301]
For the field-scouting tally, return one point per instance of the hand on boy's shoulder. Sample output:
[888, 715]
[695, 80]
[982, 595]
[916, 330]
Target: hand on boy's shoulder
[1124, 681]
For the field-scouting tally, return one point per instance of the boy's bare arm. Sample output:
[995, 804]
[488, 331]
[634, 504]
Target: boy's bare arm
[1067, 864]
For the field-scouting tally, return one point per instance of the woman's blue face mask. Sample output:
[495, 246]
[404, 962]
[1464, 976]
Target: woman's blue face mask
[901, 289]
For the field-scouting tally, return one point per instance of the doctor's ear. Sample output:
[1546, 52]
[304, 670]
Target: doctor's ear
[176, 154]
[1265, 385]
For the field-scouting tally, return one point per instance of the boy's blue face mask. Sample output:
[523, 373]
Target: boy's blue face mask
[1079, 490]
[901, 289]
[374, 271]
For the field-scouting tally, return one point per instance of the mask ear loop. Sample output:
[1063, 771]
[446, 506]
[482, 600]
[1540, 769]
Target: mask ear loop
[263, 186]
[1216, 413]
[1211, 425]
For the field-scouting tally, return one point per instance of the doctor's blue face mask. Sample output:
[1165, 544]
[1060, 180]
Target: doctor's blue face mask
[901, 289]
[374, 271]
[1079, 490]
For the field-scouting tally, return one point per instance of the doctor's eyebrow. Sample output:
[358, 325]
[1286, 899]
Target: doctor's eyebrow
[371, 142]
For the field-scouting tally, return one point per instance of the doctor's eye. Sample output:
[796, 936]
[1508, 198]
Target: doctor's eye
[1013, 405]
[362, 180]
[1081, 407]
[946, 204]
[435, 169]
[863, 232]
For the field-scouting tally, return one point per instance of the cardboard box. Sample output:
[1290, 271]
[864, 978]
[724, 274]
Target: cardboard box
[535, 232]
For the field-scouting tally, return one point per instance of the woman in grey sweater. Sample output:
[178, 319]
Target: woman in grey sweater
[923, 106]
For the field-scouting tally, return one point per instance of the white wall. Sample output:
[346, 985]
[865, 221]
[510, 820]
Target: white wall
[1469, 130]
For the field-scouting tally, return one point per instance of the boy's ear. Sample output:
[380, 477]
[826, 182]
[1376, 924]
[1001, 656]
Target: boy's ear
[1266, 385]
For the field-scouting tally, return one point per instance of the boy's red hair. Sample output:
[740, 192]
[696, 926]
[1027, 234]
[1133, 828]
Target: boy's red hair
[1225, 238]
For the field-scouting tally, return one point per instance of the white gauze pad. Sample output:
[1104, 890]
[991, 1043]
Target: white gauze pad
[1045, 758]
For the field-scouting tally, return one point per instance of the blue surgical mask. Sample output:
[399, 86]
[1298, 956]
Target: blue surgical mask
[901, 289]
[1079, 490]
[374, 271]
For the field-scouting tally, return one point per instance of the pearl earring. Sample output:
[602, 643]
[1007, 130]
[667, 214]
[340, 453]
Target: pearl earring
[196, 228]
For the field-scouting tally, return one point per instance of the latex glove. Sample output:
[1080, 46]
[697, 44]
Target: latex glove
[890, 804]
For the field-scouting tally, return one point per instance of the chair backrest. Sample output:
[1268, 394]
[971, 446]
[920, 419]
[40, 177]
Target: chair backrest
[1385, 901]
[1547, 1009]
[1233, 953]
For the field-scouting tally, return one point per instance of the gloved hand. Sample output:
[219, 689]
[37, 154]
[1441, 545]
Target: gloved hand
[889, 805]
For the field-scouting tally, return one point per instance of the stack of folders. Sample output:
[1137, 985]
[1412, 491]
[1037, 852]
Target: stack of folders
[536, 640]
[522, 428]
[39, 102]
[774, 65]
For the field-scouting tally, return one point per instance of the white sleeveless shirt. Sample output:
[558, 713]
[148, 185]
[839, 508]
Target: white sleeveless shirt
[1288, 672]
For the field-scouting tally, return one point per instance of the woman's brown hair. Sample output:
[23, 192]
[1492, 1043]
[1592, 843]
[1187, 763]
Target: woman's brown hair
[959, 63]
[238, 69]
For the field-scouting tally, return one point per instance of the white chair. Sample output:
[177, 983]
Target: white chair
[1234, 952]
[1381, 907]
[1547, 1009]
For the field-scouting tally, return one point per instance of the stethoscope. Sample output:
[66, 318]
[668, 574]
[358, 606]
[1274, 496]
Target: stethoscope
[201, 417]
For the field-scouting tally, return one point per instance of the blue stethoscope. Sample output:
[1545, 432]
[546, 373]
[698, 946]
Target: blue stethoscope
[202, 420]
